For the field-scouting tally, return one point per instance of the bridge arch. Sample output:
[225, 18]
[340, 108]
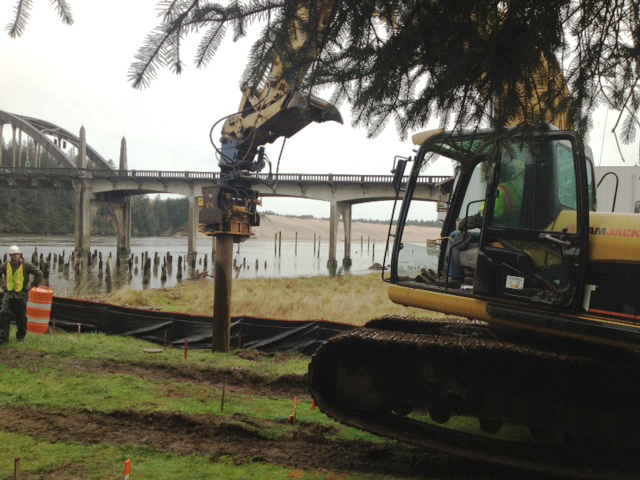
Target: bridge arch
[39, 129]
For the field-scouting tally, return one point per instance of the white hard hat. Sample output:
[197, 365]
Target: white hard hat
[14, 249]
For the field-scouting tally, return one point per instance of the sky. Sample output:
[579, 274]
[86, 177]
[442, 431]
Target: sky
[77, 76]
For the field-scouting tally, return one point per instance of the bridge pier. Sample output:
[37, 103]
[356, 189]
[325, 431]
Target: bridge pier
[121, 211]
[346, 218]
[82, 221]
[192, 228]
[339, 209]
[83, 205]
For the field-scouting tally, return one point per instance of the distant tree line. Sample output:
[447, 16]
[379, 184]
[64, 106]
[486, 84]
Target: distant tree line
[51, 211]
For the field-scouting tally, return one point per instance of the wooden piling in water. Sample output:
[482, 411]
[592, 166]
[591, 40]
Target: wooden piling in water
[280, 243]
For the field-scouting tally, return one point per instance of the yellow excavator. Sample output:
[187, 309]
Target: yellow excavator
[537, 368]
[535, 364]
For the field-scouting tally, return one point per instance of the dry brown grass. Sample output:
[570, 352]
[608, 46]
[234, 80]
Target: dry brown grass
[349, 299]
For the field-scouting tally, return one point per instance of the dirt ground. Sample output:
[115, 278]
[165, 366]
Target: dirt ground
[308, 447]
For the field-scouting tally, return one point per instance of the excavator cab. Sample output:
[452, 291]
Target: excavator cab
[516, 231]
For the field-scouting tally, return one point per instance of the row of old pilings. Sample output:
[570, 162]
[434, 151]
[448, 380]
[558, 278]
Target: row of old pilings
[277, 247]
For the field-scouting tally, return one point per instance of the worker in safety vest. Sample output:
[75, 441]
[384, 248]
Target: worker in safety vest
[506, 211]
[506, 214]
[16, 273]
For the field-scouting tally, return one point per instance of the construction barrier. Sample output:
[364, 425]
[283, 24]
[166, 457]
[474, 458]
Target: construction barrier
[39, 309]
[164, 328]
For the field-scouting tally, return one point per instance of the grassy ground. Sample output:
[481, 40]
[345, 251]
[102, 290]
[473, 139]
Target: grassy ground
[348, 299]
[76, 407]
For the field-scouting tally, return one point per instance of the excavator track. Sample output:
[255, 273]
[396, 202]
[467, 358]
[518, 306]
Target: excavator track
[399, 376]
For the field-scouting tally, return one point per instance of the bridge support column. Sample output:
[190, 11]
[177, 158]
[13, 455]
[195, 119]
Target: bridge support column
[83, 222]
[122, 213]
[83, 205]
[334, 220]
[346, 218]
[192, 229]
[339, 209]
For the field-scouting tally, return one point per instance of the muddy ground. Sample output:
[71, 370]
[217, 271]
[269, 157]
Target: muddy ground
[307, 447]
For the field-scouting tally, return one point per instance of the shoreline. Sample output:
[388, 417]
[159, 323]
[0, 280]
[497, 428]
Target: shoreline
[272, 225]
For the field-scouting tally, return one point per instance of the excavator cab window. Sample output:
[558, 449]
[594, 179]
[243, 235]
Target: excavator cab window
[533, 246]
[516, 224]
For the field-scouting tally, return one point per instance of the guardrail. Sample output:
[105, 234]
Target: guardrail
[186, 175]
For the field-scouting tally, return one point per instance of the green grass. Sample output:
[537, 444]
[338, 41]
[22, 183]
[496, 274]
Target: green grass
[47, 373]
[89, 462]
[131, 350]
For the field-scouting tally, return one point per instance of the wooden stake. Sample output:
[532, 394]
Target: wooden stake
[186, 348]
[79, 328]
[16, 469]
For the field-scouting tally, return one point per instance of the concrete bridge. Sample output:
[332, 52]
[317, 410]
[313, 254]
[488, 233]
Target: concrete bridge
[95, 181]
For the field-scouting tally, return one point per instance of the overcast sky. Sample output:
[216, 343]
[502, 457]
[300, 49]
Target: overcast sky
[77, 76]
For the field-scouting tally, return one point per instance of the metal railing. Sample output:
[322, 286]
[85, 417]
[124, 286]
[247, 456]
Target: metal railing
[307, 178]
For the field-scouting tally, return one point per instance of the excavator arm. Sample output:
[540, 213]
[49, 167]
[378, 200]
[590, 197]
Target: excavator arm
[275, 107]
[271, 109]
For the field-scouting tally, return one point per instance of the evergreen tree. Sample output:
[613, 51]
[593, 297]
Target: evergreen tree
[413, 60]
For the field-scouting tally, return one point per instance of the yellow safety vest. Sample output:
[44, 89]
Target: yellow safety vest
[15, 281]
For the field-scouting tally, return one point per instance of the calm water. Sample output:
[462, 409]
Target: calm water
[269, 263]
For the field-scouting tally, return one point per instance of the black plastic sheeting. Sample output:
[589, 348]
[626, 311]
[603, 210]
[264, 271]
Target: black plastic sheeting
[151, 325]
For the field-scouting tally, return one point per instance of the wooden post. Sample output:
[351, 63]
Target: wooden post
[319, 238]
[361, 243]
[280, 243]
[16, 469]
[296, 249]
[275, 244]
[221, 333]
[314, 243]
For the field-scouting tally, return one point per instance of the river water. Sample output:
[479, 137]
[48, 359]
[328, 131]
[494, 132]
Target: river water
[253, 259]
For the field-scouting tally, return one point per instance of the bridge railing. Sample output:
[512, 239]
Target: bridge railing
[307, 178]
[38, 171]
